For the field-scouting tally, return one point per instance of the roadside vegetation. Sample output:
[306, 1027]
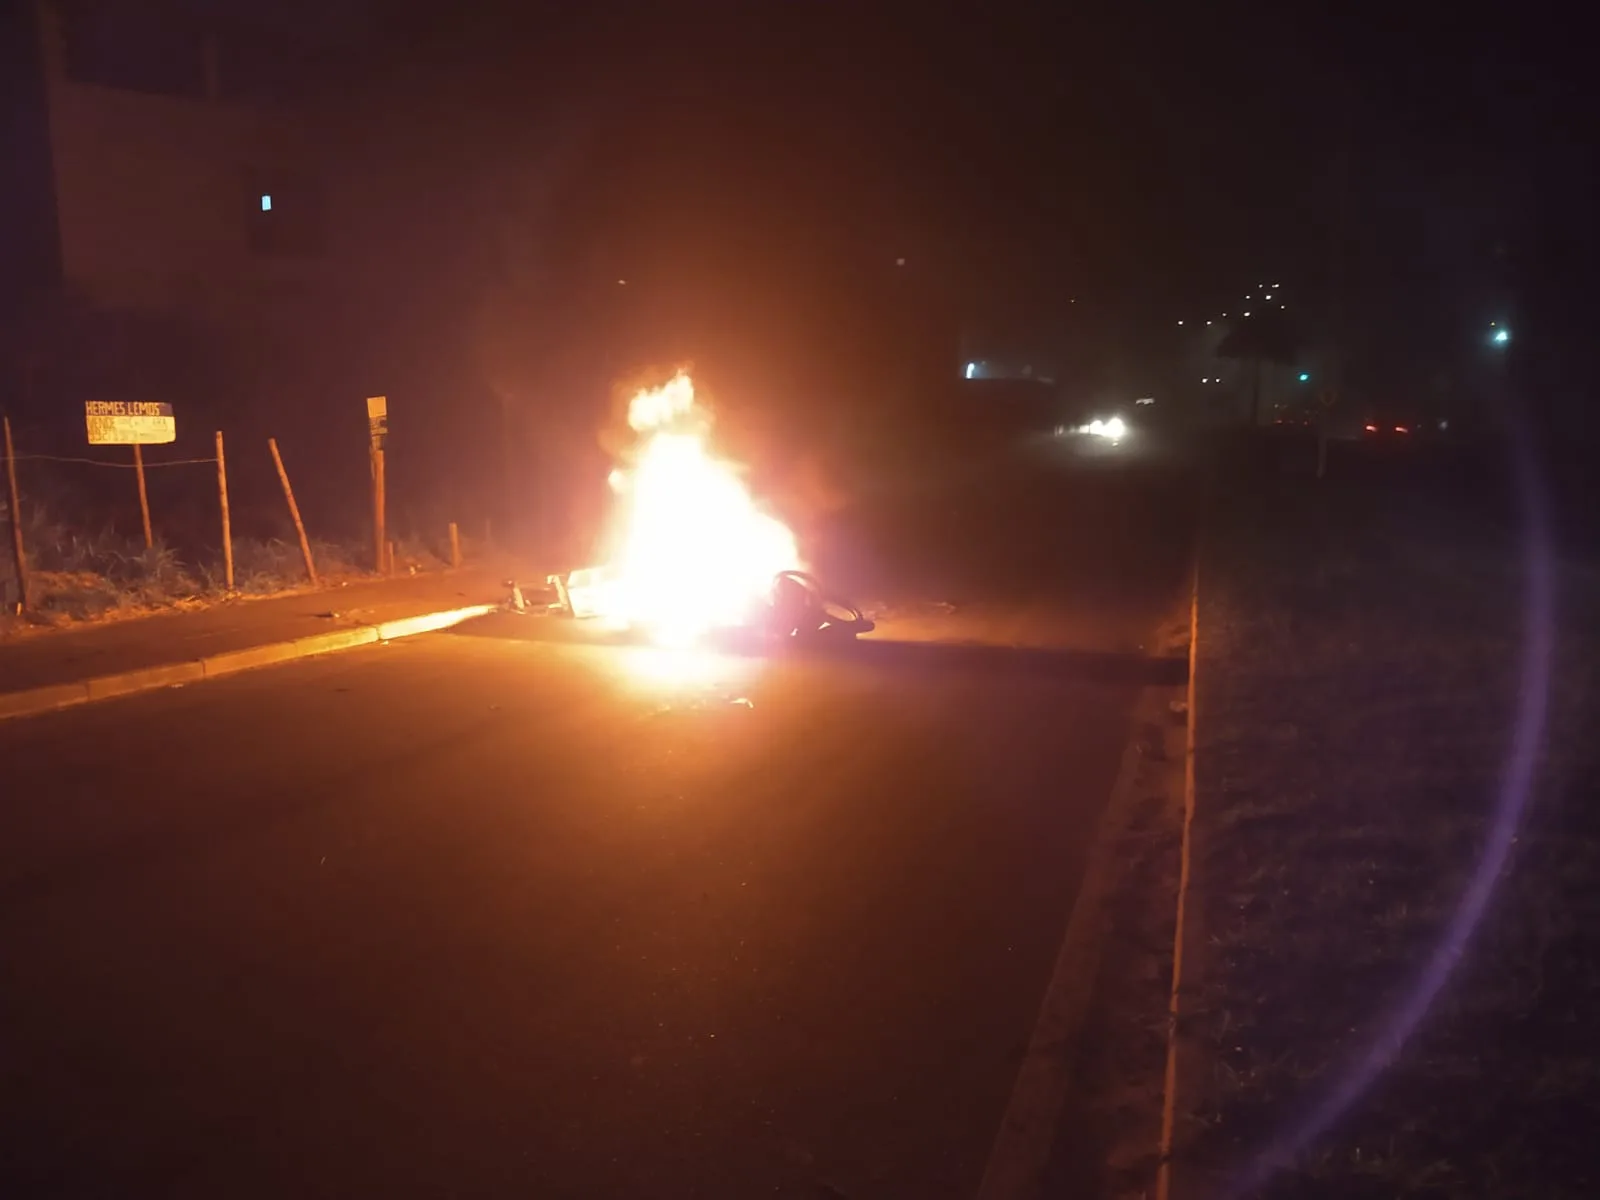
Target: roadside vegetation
[78, 575]
[1361, 643]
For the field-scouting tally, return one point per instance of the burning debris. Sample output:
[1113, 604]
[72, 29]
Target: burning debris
[689, 552]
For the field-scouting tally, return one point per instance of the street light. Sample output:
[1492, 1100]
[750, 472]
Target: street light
[1500, 337]
[1305, 377]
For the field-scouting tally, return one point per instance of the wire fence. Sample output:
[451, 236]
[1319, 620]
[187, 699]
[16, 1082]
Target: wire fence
[93, 541]
[96, 462]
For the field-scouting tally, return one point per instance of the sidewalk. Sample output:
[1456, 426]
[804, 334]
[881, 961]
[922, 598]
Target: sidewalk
[62, 657]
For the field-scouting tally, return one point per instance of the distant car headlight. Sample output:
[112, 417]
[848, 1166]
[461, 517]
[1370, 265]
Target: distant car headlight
[1113, 430]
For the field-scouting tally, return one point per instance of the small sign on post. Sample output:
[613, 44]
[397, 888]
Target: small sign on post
[377, 432]
[132, 423]
[378, 419]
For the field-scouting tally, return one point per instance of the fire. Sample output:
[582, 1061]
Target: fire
[690, 551]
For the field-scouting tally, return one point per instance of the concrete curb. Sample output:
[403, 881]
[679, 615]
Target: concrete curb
[1169, 1182]
[230, 662]
[1020, 1154]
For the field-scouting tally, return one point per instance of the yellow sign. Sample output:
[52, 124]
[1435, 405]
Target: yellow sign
[129, 423]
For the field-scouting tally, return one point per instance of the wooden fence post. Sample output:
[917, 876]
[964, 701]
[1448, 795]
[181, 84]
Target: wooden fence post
[380, 532]
[455, 546]
[294, 510]
[19, 554]
[227, 532]
[144, 497]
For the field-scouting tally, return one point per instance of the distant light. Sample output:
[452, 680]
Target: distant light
[972, 370]
[1247, 312]
[622, 283]
[1501, 337]
[1304, 377]
[1372, 429]
[266, 202]
[1401, 429]
[1204, 379]
[899, 262]
[1180, 322]
[1145, 400]
[1208, 322]
[1268, 296]
[1276, 286]
[1111, 430]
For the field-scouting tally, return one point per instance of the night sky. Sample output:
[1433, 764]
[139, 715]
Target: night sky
[837, 204]
[1146, 157]
[758, 171]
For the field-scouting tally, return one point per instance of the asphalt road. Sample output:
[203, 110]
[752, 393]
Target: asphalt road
[480, 914]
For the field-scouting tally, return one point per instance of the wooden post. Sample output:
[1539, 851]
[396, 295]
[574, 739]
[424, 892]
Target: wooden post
[227, 532]
[455, 546]
[144, 497]
[380, 532]
[19, 555]
[377, 430]
[389, 558]
[294, 510]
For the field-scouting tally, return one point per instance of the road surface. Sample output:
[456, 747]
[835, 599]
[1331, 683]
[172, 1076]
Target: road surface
[484, 914]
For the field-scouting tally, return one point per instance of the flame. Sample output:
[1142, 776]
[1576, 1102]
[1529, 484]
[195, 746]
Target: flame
[690, 550]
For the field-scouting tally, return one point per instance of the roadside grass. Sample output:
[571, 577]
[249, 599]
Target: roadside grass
[1358, 675]
[95, 575]
[82, 575]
